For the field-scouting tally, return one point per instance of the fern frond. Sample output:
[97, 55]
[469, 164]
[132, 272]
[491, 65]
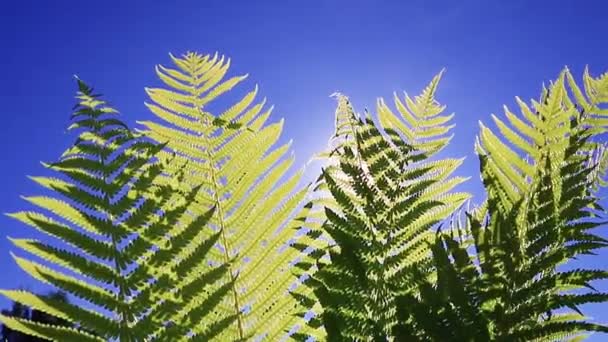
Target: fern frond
[544, 130]
[385, 197]
[234, 152]
[538, 216]
[420, 120]
[116, 235]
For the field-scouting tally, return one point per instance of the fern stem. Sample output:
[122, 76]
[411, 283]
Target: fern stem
[224, 240]
[220, 214]
[123, 313]
[227, 258]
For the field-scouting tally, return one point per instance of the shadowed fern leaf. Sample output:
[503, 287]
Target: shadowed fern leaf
[499, 293]
[387, 197]
[117, 236]
[315, 242]
[511, 287]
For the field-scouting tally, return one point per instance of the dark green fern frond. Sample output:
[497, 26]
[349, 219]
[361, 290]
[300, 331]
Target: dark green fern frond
[386, 197]
[315, 244]
[495, 294]
[511, 286]
[116, 236]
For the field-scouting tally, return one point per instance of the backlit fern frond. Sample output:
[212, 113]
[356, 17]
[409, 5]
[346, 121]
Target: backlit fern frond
[116, 236]
[557, 140]
[232, 153]
[346, 123]
[315, 243]
[498, 293]
[420, 129]
[510, 288]
[543, 129]
[388, 197]
[420, 121]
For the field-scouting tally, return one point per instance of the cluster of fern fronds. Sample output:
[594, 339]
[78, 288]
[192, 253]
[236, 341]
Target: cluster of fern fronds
[194, 227]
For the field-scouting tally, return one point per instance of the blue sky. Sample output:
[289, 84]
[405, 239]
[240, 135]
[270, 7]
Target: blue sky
[299, 52]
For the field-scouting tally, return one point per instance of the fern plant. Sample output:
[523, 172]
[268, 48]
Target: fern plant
[232, 153]
[539, 216]
[314, 242]
[510, 288]
[116, 235]
[389, 196]
[183, 232]
[543, 130]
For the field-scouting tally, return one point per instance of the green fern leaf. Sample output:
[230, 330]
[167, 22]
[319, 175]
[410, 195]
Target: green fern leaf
[116, 236]
[233, 151]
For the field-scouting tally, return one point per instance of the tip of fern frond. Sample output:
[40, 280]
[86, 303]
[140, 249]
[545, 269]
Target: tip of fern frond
[11, 215]
[13, 240]
[37, 179]
[466, 179]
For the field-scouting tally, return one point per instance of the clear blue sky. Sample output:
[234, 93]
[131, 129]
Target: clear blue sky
[299, 52]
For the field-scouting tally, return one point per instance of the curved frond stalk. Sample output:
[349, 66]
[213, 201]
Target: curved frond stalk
[115, 235]
[243, 174]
